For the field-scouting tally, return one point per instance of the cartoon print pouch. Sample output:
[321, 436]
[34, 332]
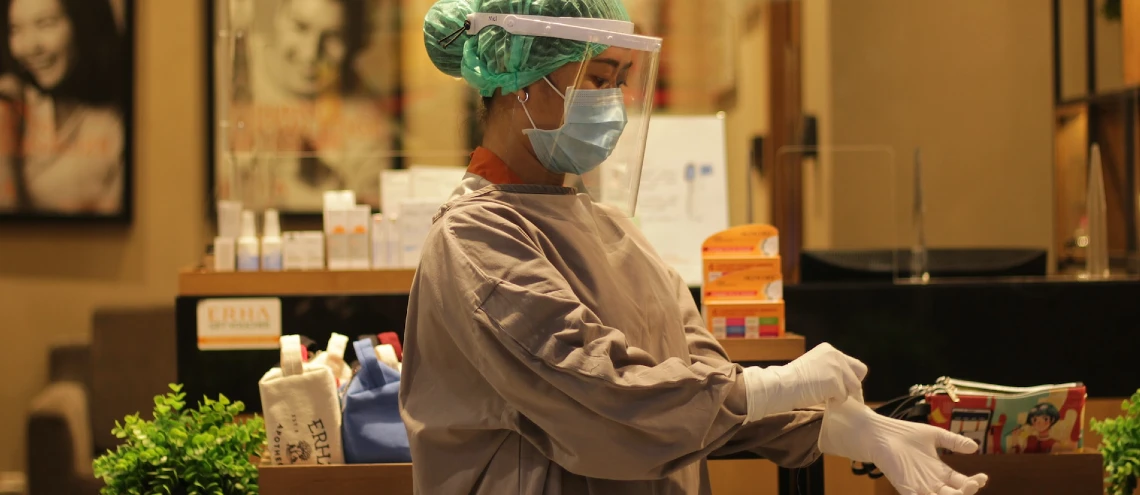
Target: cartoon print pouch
[1003, 420]
[1009, 420]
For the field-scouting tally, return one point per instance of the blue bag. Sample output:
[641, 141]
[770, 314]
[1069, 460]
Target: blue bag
[373, 430]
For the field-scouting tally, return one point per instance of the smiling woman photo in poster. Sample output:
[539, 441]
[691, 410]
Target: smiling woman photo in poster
[65, 83]
[305, 94]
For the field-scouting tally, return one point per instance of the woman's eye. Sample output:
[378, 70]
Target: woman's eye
[47, 22]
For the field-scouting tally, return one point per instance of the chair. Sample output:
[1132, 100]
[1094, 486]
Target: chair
[130, 359]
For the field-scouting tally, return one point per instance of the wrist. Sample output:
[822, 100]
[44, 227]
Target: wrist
[845, 425]
[765, 392]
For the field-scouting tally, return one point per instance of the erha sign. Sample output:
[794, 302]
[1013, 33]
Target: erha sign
[239, 324]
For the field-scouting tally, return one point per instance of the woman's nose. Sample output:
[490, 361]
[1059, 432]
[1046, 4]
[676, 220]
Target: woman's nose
[309, 49]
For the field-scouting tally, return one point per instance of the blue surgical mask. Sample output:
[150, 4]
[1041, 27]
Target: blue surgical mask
[595, 119]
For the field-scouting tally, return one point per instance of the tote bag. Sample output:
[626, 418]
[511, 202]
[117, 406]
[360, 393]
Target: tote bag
[301, 409]
[373, 430]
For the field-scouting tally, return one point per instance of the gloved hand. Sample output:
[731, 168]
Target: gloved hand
[904, 451]
[820, 375]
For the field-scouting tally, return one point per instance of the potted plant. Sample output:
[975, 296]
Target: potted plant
[1120, 447]
[184, 451]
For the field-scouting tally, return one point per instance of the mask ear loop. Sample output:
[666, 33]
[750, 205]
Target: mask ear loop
[523, 101]
[527, 93]
[551, 84]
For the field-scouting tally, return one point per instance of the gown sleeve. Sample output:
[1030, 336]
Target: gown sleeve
[577, 392]
[788, 439]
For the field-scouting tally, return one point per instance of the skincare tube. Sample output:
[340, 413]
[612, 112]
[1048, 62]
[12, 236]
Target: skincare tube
[271, 252]
[224, 255]
[249, 258]
[359, 249]
[379, 242]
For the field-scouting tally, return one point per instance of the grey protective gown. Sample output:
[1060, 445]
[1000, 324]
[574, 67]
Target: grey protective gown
[549, 350]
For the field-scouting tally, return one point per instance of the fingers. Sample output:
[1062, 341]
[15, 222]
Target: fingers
[955, 443]
[858, 367]
[969, 486]
[946, 490]
[959, 480]
[852, 385]
[851, 371]
[966, 486]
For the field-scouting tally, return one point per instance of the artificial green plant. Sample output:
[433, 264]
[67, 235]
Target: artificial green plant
[184, 451]
[1120, 446]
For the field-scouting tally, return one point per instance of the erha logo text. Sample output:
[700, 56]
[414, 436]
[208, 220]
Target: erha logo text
[239, 316]
[320, 442]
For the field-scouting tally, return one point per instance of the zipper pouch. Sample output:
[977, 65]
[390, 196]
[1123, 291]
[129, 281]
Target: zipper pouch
[1009, 420]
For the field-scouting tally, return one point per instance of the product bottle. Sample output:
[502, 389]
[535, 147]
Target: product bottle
[336, 213]
[248, 252]
[271, 256]
[379, 242]
[223, 254]
[395, 250]
[359, 252]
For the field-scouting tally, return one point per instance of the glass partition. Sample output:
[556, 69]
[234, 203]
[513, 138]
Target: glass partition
[855, 227]
[318, 95]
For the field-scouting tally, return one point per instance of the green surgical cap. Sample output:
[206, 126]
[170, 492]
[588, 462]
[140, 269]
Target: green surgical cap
[495, 59]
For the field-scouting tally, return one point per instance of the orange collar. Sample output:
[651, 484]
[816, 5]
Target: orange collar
[488, 165]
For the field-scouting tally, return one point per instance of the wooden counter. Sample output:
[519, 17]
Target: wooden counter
[389, 479]
[1027, 474]
[768, 349]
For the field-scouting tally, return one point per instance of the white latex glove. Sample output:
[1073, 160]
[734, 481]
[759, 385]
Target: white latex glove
[821, 375]
[904, 451]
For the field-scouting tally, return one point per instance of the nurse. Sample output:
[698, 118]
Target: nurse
[549, 350]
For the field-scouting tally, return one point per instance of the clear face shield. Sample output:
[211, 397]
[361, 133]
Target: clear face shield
[589, 121]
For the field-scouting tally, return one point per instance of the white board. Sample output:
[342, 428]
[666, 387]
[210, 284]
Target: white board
[413, 227]
[434, 182]
[395, 186]
[683, 198]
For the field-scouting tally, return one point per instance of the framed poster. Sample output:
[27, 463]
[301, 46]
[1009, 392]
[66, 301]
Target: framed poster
[66, 90]
[304, 98]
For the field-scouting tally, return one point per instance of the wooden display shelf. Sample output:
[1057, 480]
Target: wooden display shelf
[785, 348]
[1028, 474]
[389, 479]
[379, 282]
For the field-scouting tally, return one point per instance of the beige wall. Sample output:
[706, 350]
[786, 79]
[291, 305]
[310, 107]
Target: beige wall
[702, 68]
[1109, 52]
[52, 277]
[748, 118]
[1074, 53]
[968, 82]
[434, 132]
[817, 95]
